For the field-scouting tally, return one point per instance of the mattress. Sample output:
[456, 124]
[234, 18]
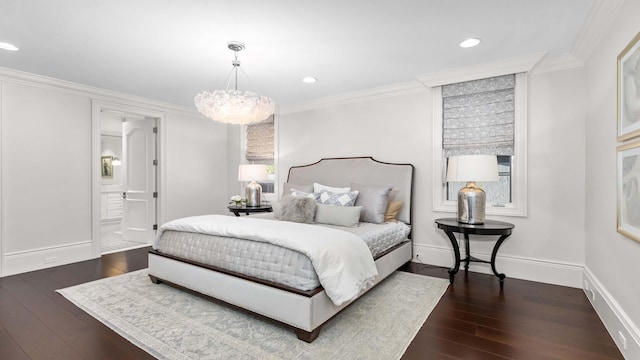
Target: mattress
[270, 262]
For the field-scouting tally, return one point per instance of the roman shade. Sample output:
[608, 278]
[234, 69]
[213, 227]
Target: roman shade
[479, 117]
[259, 142]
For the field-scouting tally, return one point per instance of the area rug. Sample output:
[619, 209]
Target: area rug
[173, 324]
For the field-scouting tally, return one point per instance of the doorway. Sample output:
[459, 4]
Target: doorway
[127, 185]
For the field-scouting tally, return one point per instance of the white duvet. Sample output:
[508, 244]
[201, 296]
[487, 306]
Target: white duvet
[342, 260]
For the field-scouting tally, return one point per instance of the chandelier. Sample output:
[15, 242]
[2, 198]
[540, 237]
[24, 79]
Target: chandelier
[232, 106]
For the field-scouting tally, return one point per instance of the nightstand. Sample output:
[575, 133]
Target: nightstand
[249, 209]
[490, 227]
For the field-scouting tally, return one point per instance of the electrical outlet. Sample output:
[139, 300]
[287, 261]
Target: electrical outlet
[586, 285]
[623, 340]
[593, 295]
[50, 259]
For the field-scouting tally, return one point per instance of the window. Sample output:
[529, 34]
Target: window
[498, 193]
[483, 116]
[259, 149]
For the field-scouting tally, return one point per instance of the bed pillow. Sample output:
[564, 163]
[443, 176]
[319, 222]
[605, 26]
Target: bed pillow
[298, 193]
[338, 215]
[373, 200]
[286, 188]
[338, 190]
[393, 208]
[336, 199]
[296, 209]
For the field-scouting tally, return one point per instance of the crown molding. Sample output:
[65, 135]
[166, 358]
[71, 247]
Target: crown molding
[598, 20]
[410, 87]
[563, 62]
[513, 65]
[45, 82]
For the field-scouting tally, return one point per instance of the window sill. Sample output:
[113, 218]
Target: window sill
[507, 210]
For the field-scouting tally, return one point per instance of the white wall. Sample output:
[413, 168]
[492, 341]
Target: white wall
[547, 245]
[196, 167]
[611, 258]
[46, 168]
[46, 176]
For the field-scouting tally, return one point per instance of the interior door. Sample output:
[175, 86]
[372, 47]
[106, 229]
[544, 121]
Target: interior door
[139, 179]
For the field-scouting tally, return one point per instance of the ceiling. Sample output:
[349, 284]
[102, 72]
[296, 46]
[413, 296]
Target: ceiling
[172, 50]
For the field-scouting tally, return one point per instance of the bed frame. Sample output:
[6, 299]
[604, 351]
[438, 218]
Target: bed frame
[304, 311]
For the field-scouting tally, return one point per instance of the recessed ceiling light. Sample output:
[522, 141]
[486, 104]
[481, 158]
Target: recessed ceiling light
[470, 43]
[309, 79]
[7, 46]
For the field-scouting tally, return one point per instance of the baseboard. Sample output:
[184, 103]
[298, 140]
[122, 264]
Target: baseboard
[623, 331]
[544, 271]
[36, 259]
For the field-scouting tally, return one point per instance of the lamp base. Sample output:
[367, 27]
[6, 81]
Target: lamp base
[471, 204]
[253, 192]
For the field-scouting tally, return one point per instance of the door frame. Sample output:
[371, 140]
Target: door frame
[97, 106]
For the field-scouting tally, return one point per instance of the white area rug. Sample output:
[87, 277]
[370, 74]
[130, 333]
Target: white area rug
[172, 324]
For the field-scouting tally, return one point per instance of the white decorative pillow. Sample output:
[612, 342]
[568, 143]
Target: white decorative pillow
[286, 188]
[373, 200]
[298, 193]
[296, 209]
[338, 215]
[331, 198]
[338, 190]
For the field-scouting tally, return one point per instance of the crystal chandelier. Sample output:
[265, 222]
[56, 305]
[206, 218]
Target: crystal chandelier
[233, 106]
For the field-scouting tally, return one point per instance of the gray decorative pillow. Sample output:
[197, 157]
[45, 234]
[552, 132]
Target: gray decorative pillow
[373, 199]
[338, 215]
[330, 198]
[296, 209]
[286, 188]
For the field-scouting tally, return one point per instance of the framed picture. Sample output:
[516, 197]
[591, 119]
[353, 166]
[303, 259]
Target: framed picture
[629, 190]
[629, 90]
[106, 166]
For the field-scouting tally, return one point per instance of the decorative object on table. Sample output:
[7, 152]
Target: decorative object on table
[629, 190]
[237, 200]
[471, 198]
[106, 166]
[252, 173]
[172, 324]
[628, 90]
[233, 106]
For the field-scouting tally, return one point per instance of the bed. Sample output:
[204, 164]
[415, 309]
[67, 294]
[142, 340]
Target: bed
[306, 298]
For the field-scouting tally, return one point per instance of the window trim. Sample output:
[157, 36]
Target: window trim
[518, 206]
[275, 195]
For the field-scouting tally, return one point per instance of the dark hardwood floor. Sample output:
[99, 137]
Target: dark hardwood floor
[474, 319]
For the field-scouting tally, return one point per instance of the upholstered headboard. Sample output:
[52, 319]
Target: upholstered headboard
[341, 172]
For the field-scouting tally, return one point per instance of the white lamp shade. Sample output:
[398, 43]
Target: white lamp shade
[466, 168]
[252, 172]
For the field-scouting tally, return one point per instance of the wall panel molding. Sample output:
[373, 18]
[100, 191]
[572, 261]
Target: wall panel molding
[540, 270]
[614, 318]
[28, 260]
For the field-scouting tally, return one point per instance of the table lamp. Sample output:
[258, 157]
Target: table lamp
[252, 173]
[471, 198]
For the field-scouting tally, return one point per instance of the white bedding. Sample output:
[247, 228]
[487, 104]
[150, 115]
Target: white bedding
[342, 260]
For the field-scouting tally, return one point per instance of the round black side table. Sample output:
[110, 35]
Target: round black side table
[249, 209]
[490, 227]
